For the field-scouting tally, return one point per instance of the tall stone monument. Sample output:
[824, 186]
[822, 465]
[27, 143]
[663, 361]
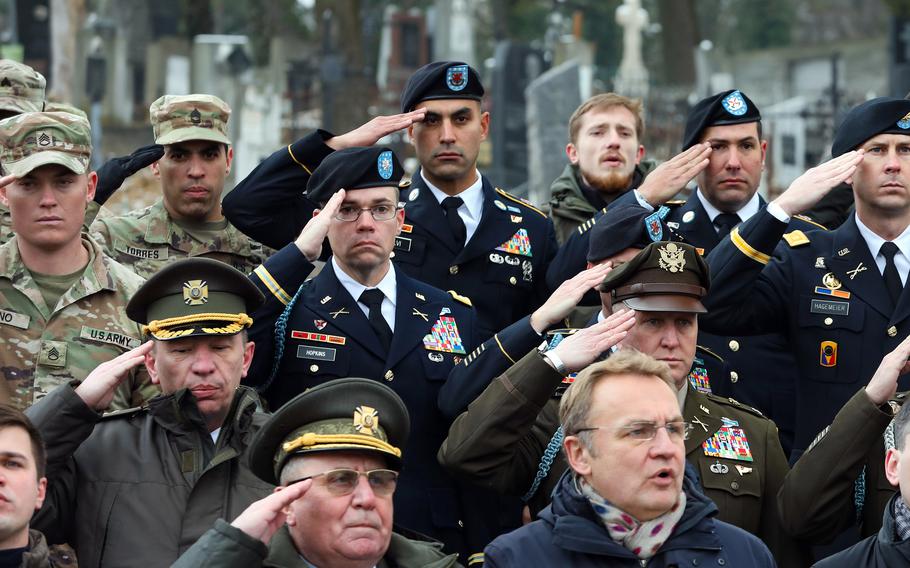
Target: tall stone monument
[632, 78]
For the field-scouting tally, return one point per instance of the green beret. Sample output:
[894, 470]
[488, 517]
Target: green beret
[663, 277]
[195, 296]
[343, 415]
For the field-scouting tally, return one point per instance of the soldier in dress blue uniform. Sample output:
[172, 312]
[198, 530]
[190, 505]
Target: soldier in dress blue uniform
[838, 296]
[459, 232]
[362, 316]
[724, 152]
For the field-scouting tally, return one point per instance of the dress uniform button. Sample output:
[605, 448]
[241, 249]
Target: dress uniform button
[892, 331]
[460, 523]
[389, 375]
[734, 485]
[314, 368]
[828, 321]
[392, 254]
[721, 561]
[734, 345]
[453, 269]
[734, 376]
[513, 280]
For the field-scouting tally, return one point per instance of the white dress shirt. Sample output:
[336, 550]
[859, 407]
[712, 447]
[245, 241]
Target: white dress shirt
[388, 285]
[472, 208]
[875, 242]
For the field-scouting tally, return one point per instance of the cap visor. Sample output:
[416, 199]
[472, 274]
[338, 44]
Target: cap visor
[665, 303]
[22, 167]
[194, 133]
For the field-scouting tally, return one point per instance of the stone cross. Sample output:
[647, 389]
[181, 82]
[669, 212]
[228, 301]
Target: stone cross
[632, 77]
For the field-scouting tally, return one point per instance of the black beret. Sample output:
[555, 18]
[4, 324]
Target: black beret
[728, 107]
[441, 80]
[195, 296]
[354, 168]
[883, 115]
[342, 415]
[627, 226]
[663, 277]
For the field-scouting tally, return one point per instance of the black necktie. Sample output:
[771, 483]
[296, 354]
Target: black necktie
[373, 300]
[892, 278]
[451, 205]
[725, 223]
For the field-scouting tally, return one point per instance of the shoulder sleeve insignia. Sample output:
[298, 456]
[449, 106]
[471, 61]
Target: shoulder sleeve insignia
[459, 298]
[810, 221]
[524, 202]
[796, 238]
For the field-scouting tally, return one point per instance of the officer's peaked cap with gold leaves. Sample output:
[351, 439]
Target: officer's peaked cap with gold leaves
[343, 415]
[195, 296]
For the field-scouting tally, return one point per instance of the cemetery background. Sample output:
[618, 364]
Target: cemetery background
[289, 66]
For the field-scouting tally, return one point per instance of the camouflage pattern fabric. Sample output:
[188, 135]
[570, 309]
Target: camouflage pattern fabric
[21, 87]
[42, 347]
[147, 239]
[178, 118]
[35, 139]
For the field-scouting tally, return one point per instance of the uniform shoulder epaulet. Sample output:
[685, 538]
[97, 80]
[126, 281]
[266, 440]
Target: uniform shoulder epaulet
[459, 298]
[708, 352]
[796, 238]
[727, 401]
[810, 221]
[123, 412]
[520, 201]
[675, 202]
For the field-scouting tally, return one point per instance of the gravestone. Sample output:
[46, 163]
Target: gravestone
[551, 100]
[632, 77]
[515, 66]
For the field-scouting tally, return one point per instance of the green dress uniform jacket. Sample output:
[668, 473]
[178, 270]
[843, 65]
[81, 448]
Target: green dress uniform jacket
[500, 440]
[225, 546]
[42, 347]
[819, 497]
[138, 488]
[147, 239]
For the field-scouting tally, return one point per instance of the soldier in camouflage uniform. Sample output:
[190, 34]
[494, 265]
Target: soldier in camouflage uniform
[21, 90]
[187, 220]
[61, 299]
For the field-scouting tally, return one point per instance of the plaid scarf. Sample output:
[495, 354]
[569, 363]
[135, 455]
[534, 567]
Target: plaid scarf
[901, 518]
[643, 539]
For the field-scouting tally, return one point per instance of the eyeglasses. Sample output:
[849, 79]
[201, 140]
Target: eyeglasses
[644, 431]
[350, 213]
[344, 481]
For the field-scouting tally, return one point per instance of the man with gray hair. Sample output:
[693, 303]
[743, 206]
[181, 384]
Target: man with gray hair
[626, 498]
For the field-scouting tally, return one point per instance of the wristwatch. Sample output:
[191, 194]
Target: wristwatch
[554, 361]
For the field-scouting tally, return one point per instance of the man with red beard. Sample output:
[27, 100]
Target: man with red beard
[605, 160]
[187, 220]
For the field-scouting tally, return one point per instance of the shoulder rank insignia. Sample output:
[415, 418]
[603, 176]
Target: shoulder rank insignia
[796, 238]
[459, 298]
[728, 442]
[520, 201]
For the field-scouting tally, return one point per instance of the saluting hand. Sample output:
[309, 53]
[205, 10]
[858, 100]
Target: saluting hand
[671, 177]
[370, 133]
[97, 390]
[807, 189]
[313, 234]
[883, 384]
[564, 299]
[584, 347]
[263, 518]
